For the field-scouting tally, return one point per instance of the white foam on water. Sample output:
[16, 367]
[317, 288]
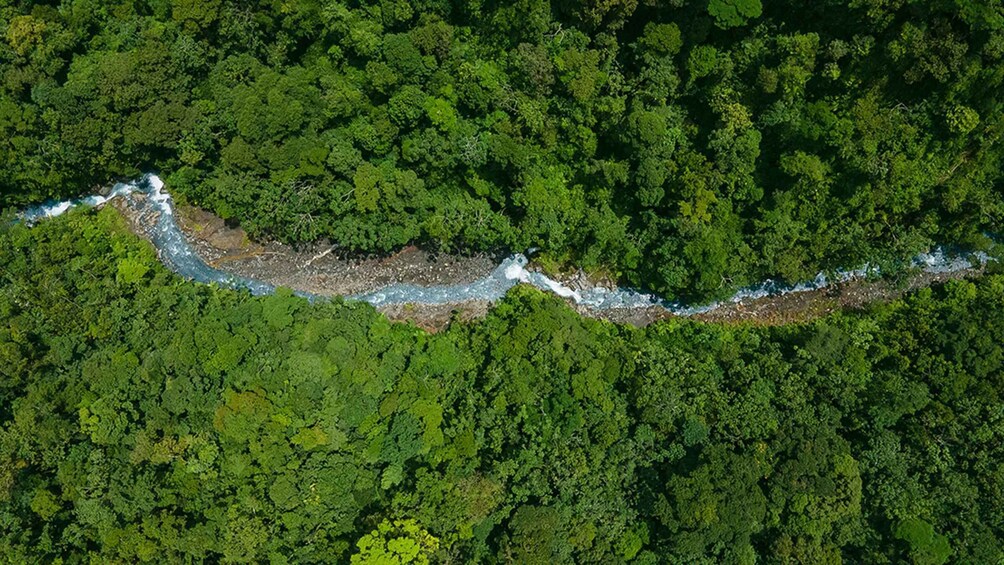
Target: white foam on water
[33, 214]
[48, 211]
[562, 290]
[516, 272]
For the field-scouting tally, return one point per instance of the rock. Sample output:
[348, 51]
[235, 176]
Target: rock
[213, 230]
[229, 239]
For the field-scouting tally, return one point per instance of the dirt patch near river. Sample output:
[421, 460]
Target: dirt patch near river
[322, 268]
[326, 270]
[807, 306]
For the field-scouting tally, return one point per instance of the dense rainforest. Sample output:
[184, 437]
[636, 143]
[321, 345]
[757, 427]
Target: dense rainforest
[144, 418]
[686, 146]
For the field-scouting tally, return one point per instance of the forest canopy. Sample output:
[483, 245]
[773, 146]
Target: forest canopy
[687, 146]
[684, 146]
[144, 418]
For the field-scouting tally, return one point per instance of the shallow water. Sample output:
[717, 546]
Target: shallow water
[176, 253]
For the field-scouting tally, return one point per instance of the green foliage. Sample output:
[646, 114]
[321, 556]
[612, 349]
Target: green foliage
[159, 420]
[662, 39]
[702, 61]
[926, 546]
[734, 13]
[962, 119]
[654, 142]
[132, 271]
[396, 543]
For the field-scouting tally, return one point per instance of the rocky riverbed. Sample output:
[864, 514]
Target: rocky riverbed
[324, 269]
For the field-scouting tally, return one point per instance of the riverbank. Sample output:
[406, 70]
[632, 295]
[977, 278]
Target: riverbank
[323, 269]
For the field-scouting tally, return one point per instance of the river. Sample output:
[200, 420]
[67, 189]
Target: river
[178, 255]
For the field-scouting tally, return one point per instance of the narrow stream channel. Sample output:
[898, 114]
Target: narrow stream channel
[177, 254]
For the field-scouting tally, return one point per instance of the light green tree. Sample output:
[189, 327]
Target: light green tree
[734, 13]
[394, 543]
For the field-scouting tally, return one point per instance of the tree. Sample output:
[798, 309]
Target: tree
[24, 33]
[198, 14]
[661, 39]
[397, 542]
[538, 536]
[734, 13]
[925, 546]
[962, 119]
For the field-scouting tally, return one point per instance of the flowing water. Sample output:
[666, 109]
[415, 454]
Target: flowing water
[176, 253]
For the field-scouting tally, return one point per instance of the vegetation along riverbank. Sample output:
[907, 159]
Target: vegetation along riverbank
[386, 151]
[148, 418]
[676, 145]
